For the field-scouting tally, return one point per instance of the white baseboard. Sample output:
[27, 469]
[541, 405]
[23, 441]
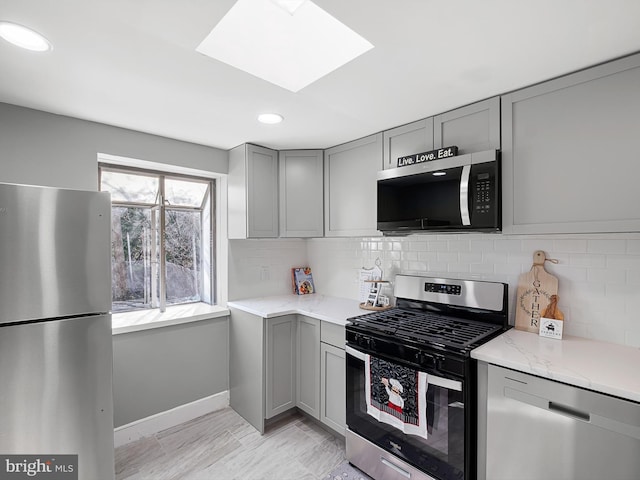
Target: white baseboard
[155, 423]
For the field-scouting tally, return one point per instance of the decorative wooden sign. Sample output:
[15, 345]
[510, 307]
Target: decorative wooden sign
[535, 289]
[428, 156]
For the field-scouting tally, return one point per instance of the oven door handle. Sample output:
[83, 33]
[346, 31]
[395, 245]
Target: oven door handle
[355, 353]
[431, 379]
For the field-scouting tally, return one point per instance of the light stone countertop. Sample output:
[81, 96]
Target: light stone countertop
[330, 309]
[600, 366]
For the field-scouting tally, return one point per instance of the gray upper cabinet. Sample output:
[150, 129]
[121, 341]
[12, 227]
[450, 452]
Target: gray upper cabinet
[416, 137]
[472, 128]
[350, 172]
[301, 193]
[252, 192]
[570, 152]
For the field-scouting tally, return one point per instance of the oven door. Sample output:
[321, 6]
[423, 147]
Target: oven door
[442, 453]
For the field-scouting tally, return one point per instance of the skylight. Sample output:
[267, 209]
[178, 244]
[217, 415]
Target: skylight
[291, 50]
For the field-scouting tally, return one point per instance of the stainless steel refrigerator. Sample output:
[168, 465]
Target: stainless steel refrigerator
[56, 352]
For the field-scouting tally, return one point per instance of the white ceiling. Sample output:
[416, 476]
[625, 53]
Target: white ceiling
[133, 64]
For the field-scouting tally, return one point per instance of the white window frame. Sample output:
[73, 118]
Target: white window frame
[133, 321]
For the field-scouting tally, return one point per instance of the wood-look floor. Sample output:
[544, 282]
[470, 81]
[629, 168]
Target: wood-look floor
[223, 446]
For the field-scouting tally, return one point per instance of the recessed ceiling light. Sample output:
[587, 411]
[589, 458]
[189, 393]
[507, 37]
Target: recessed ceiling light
[270, 118]
[439, 174]
[24, 37]
[262, 38]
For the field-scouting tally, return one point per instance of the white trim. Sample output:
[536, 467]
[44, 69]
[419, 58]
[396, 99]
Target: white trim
[148, 426]
[127, 322]
[158, 166]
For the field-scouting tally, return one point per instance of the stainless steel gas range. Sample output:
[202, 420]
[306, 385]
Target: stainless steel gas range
[411, 383]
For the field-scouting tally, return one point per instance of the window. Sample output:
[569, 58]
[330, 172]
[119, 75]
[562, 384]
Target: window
[162, 238]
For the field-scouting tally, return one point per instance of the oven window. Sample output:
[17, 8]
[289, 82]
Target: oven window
[441, 453]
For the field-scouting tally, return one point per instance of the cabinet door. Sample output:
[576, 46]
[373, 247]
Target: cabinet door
[473, 128]
[280, 365]
[333, 388]
[308, 366]
[416, 137]
[246, 366]
[351, 169]
[301, 191]
[569, 153]
[262, 192]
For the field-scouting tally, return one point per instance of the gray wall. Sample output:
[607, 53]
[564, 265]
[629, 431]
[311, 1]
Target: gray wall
[41, 148]
[154, 370]
[159, 369]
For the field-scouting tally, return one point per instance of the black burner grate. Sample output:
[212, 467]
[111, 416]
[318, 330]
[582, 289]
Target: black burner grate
[423, 327]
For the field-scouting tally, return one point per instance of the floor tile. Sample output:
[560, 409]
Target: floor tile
[222, 445]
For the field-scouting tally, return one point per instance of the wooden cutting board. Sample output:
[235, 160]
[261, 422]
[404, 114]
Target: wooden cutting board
[534, 293]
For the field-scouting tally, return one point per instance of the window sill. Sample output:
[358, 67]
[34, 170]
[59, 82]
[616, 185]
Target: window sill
[128, 322]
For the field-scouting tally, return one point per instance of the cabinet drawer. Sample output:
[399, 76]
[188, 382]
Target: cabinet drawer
[332, 334]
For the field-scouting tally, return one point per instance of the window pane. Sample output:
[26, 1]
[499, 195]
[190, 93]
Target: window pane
[183, 234]
[133, 258]
[184, 193]
[130, 187]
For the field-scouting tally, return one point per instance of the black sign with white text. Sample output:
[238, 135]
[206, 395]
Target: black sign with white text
[428, 156]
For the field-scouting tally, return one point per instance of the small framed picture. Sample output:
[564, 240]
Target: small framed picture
[551, 328]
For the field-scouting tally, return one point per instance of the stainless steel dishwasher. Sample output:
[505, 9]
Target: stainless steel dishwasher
[542, 429]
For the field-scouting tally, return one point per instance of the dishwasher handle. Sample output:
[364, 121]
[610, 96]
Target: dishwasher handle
[570, 411]
[630, 430]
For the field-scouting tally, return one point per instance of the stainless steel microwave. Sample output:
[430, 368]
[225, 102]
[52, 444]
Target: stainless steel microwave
[455, 194]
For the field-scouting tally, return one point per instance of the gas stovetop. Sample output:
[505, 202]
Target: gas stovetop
[448, 314]
[425, 328]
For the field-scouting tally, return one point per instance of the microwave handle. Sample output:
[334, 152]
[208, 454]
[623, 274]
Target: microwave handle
[464, 195]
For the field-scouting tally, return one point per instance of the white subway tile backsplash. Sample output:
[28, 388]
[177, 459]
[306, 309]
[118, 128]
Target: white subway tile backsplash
[606, 246]
[530, 245]
[570, 245]
[460, 246]
[633, 247]
[508, 246]
[599, 275]
[584, 260]
[496, 257]
[471, 257]
[448, 257]
[481, 245]
[627, 262]
[632, 338]
[607, 275]
[481, 268]
[437, 246]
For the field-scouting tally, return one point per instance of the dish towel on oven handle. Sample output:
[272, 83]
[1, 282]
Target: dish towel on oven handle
[396, 395]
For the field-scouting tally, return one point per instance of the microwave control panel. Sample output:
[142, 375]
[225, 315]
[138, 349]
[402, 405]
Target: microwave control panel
[484, 194]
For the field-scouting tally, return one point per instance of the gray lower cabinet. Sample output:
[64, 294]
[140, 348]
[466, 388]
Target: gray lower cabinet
[246, 366]
[350, 190]
[333, 387]
[301, 193]
[569, 154]
[333, 377]
[533, 428]
[415, 137]
[278, 363]
[308, 366]
[280, 373]
[472, 128]
[252, 192]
